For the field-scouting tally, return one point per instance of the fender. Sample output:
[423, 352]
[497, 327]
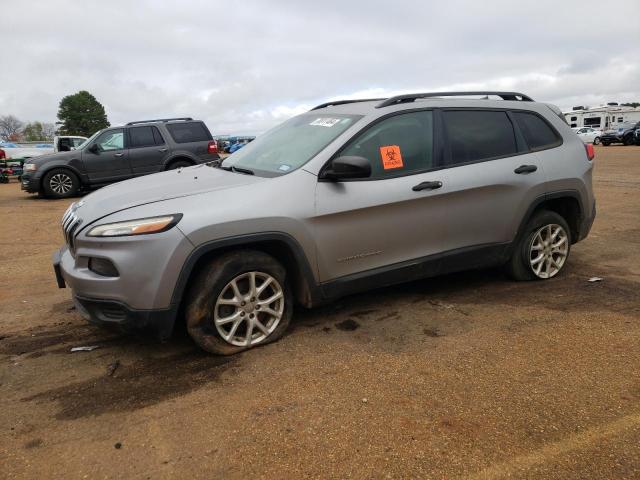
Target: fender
[312, 293]
[84, 179]
[546, 197]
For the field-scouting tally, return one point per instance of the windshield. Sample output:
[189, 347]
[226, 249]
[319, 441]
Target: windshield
[291, 144]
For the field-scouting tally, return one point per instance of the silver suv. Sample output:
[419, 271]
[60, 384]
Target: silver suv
[350, 196]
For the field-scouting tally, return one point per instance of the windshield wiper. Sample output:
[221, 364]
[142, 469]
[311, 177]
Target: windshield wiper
[233, 168]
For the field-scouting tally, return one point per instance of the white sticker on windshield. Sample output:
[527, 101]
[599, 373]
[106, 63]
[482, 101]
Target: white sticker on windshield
[325, 122]
[284, 167]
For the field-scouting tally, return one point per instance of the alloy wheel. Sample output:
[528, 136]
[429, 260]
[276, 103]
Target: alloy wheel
[249, 309]
[548, 250]
[61, 183]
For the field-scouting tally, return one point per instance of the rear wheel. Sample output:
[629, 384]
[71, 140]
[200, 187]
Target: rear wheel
[543, 249]
[628, 140]
[239, 301]
[596, 141]
[179, 164]
[60, 183]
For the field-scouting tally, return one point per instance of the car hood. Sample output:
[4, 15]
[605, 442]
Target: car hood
[47, 157]
[158, 187]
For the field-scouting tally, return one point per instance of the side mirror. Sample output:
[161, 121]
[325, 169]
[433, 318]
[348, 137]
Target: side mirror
[347, 167]
[94, 148]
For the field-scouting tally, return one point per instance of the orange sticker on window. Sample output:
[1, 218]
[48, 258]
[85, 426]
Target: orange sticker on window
[391, 157]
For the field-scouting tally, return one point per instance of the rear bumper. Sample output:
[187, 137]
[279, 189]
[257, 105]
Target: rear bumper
[587, 223]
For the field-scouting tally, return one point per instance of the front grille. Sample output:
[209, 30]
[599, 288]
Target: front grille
[70, 224]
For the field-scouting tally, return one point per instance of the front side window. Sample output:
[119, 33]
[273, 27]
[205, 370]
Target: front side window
[396, 145]
[291, 144]
[111, 140]
[537, 133]
[77, 142]
[476, 135]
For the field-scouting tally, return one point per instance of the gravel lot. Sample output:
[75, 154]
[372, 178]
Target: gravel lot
[464, 376]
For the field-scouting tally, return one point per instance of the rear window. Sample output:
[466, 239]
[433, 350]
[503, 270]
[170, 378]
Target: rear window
[189, 132]
[478, 135]
[537, 133]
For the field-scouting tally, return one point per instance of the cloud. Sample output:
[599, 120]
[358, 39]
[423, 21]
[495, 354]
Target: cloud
[246, 66]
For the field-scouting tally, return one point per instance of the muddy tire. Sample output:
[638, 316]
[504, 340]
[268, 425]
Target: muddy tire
[60, 183]
[542, 250]
[239, 301]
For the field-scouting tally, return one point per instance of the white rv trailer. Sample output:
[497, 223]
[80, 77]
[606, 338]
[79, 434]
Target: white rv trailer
[609, 117]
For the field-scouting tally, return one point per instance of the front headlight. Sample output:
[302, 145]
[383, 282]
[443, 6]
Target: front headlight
[29, 167]
[141, 226]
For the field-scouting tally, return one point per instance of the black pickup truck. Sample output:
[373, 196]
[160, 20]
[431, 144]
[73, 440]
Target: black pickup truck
[119, 153]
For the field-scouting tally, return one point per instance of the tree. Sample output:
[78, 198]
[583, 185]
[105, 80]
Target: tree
[632, 104]
[10, 127]
[38, 132]
[81, 114]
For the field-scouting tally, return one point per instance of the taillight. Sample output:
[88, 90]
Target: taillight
[591, 153]
[213, 147]
[3, 156]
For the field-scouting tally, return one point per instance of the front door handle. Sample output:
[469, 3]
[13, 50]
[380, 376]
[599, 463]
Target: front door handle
[427, 186]
[526, 169]
[162, 150]
[118, 154]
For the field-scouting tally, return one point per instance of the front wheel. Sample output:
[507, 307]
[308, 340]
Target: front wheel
[239, 301]
[543, 249]
[606, 143]
[60, 183]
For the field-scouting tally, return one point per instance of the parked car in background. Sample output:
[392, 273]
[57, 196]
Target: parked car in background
[347, 197]
[626, 136]
[588, 135]
[118, 153]
[67, 143]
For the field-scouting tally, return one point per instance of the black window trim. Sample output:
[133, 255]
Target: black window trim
[130, 143]
[441, 142]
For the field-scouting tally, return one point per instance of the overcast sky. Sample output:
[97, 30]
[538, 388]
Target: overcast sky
[244, 66]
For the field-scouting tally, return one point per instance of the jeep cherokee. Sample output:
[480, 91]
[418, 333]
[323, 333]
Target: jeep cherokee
[119, 153]
[350, 196]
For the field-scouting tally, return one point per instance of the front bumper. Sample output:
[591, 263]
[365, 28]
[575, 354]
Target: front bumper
[113, 313]
[30, 182]
[140, 296]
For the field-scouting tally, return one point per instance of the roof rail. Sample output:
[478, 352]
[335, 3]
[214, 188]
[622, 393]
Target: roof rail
[344, 102]
[159, 120]
[415, 96]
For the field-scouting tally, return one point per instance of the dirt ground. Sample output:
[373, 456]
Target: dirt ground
[464, 376]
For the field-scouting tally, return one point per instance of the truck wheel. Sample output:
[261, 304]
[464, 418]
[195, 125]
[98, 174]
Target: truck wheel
[179, 164]
[543, 249]
[239, 301]
[60, 183]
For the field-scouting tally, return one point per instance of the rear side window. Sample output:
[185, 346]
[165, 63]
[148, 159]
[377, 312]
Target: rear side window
[189, 132]
[476, 135]
[397, 145]
[537, 133]
[144, 137]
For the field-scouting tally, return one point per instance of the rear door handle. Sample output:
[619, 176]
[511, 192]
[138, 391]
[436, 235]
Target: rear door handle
[427, 186]
[118, 154]
[162, 150]
[526, 169]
